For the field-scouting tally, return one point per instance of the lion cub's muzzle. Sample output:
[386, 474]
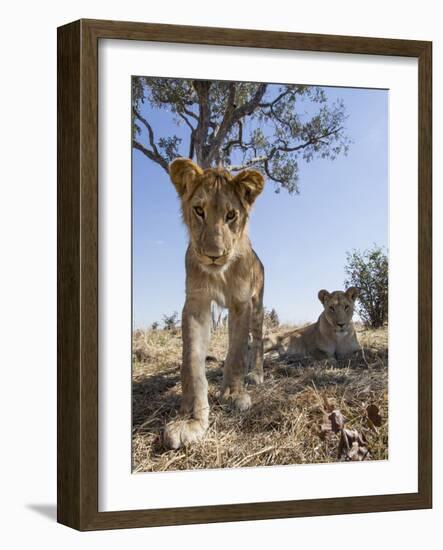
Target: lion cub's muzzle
[215, 258]
[215, 261]
[212, 260]
[213, 254]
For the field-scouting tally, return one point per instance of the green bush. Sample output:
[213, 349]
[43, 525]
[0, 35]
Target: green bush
[368, 270]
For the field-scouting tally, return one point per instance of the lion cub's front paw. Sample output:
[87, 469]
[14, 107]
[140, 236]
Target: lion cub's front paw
[255, 378]
[238, 400]
[180, 433]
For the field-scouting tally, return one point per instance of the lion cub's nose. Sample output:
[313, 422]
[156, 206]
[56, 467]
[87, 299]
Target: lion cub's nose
[341, 325]
[214, 258]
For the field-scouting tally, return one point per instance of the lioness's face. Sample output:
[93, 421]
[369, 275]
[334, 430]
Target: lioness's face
[339, 307]
[215, 209]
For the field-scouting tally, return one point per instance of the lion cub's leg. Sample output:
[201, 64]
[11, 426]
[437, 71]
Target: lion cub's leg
[194, 411]
[255, 375]
[236, 364]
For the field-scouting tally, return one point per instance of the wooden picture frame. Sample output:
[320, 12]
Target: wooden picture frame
[77, 456]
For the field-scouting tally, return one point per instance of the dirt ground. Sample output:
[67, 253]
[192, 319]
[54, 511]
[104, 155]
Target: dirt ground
[290, 418]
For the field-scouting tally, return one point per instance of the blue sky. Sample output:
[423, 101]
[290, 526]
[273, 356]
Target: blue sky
[302, 239]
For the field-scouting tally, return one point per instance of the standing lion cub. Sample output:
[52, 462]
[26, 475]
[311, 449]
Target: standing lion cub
[221, 266]
[332, 336]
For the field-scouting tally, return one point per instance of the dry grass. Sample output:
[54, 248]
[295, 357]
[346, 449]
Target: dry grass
[283, 424]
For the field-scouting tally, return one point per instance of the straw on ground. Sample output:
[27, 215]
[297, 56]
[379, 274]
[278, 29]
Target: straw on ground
[283, 425]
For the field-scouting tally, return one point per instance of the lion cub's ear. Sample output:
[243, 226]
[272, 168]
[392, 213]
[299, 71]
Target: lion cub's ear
[183, 173]
[353, 293]
[323, 295]
[250, 184]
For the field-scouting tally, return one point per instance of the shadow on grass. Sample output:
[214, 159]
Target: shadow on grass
[153, 400]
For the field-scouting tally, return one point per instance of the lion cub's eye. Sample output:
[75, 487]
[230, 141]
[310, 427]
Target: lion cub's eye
[346, 308]
[230, 215]
[331, 308]
[199, 211]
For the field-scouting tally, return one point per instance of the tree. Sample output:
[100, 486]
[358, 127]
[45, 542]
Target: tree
[170, 321]
[368, 270]
[155, 325]
[271, 319]
[237, 124]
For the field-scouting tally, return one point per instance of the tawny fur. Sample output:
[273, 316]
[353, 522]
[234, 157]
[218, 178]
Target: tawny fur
[332, 336]
[221, 266]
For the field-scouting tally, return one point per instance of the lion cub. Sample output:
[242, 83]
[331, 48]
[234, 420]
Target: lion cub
[332, 336]
[221, 266]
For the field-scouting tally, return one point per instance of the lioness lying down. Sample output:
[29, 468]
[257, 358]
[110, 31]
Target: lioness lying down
[222, 267]
[332, 336]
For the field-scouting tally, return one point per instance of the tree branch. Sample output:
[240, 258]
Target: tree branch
[151, 155]
[202, 88]
[232, 116]
[149, 128]
[277, 99]
[230, 107]
[188, 112]
[311, 141]
[191, 146]
[265, 159]
[249, 107]
[170, 98]
[248, 163]
[277, 118]
[182, 116]
[238, 141]
[272, 177]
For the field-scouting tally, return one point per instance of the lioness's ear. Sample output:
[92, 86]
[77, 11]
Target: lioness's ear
[353, 293]
[183, 173]
[323, 295]
[250, 184]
